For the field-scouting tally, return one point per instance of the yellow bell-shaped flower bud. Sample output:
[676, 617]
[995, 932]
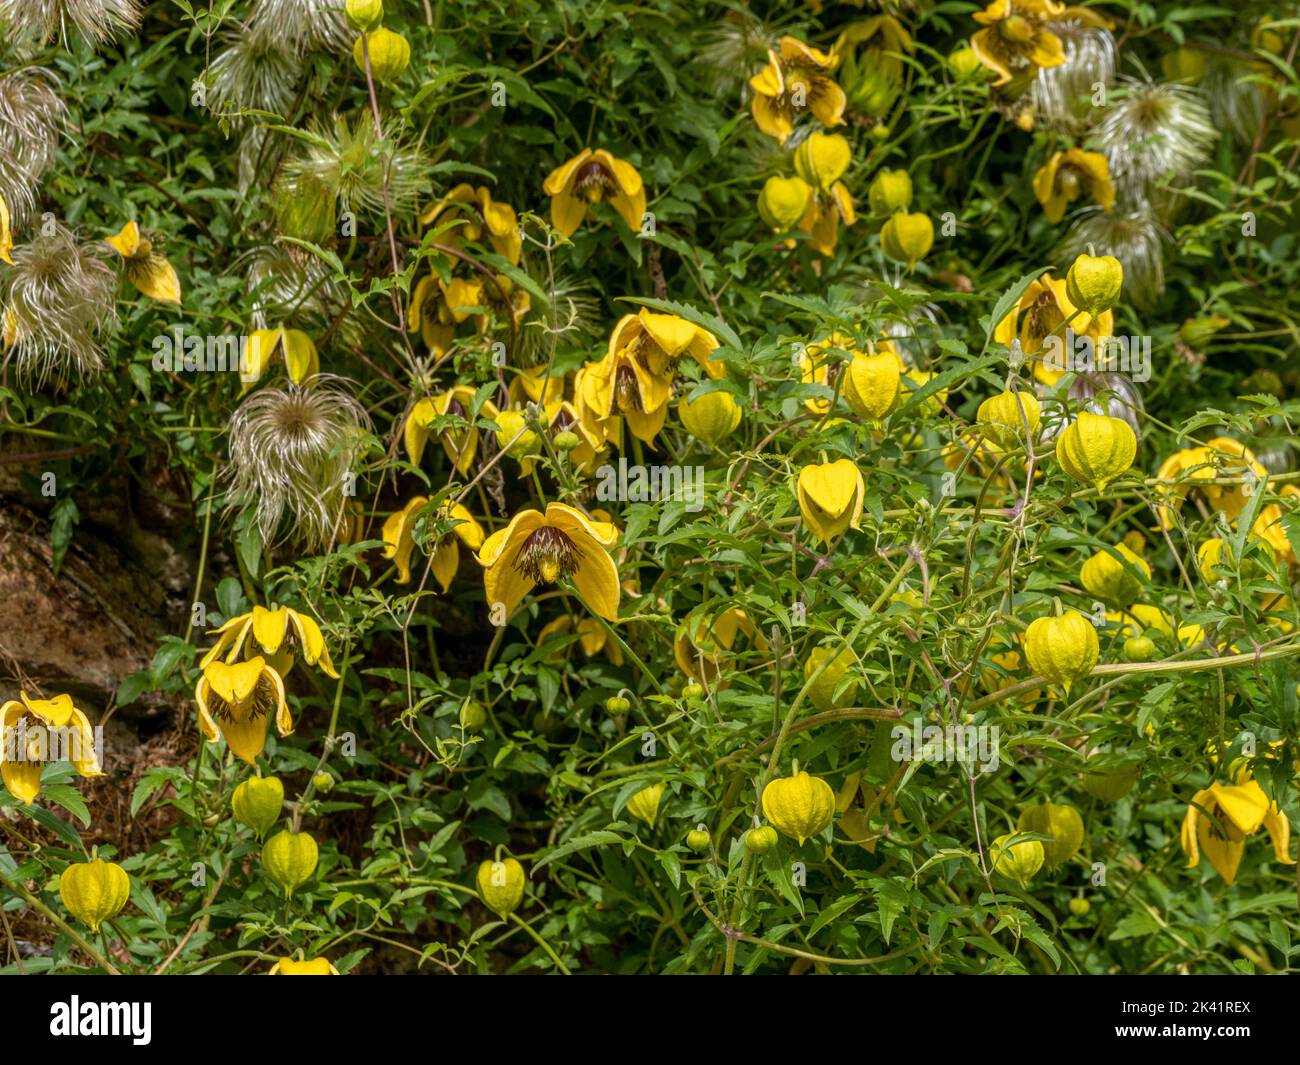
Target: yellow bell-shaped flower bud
[1096, 448]
[1106, 577]
[1016, 861]
[712, 417]
[963, 61]
[907, 238]
[513, 434]
[289, 859]
[501, 886]
[783, 202]
[890, 191]
[1006, 415]
[822, 159]
[760, 840]
[390, 53]
[1094, 282]
[303, 967]
[364, 14]
[1059, 821]
[1062, 649]
[873, 384]
[94, 891]
[644, 805]
[257, 803]
[799, 806]
[830, 498]
[822, 691]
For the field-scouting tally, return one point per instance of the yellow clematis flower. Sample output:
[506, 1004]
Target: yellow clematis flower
[587, 178]
[830, 498]
[279, 633]
[544, 548]
[34, 732]
[295, 347]
[312, 967]
[6, 234]
[535, 384]
[796, 77]
[1220, 457]
[467, 211]
[635, 377]
[1220, 817]
[461, 445]
[823, 215]
[399, 540]
[1039, 320]
[705, 641]
[1070, 175]
[237, 701]
[148, 271]
[1017, 37]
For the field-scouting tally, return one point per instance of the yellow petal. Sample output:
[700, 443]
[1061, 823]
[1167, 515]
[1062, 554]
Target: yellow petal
[300, 357]
[596, 579]
[562, 176]
[155, 277]
[6, 234]
[126, 242]
[270, 627]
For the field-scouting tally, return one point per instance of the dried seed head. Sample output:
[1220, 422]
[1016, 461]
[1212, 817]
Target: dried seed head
[1062, 95]
[283, 284]
[304, 25]
[40, 21]
[293, 451]
[57, 306]
[31, 121]
[352, 162]
[1236, 102]
[1152, 133]
[258, 71]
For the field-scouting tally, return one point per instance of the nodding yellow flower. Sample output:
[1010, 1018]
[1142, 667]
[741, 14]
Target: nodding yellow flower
[797, 77]
[705, 641]
[1096, 448]
[907, 238]
[822, 217]
[799, 806]
[237, 701]
[1016, 861]
[587, 178]
[1039, 321]
[399, 540]
[1220, 457]
[712, 417]
[1094, 282]
[280, 633]
[537, 548]
[1110, 579]
[148, 271]
[36, 731]
[94, 891]
[890, 191]
[467, 211]
[461, 445]
[501, 886]
[1063, 649]
[873, 384]
[644, 805]
[6, 234]
[1220, 817]
[295, 347]
[1017, 37]
[1070, 175]
[822, 159]
[822, 691]
[312, 967]
[1061, 822]
[784, 202]
[593, 638]
[1007, 416]
[830, 498]
[635, 377]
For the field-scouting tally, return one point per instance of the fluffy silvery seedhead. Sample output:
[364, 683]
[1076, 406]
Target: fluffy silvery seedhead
[256, 72]
[1062, 95]
[56, 307]
[31, 121]
[1236, 103]
[728, 51]
[40, 21]
[1154, 132]
[571, 320]
[285, 285]
[293, 452]
[1101, 392]
[1135, 237]
[350, 160]
[303, 25]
